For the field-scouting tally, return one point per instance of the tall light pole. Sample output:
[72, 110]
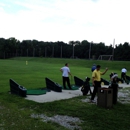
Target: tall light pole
[45, 51]
[53, 51]
[61, 52]
[90, 50]
[39, 52]
[113, 49]
[33, 51]
[73, 50]
[27, 52]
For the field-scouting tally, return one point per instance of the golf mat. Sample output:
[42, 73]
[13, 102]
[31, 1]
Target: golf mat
[74, 87]
[37, 91]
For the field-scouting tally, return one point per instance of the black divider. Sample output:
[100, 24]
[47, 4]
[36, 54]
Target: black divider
[17, 89]
[52, 85]
[78, 82]
[106, 82]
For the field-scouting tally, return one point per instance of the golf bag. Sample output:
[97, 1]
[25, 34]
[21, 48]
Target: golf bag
[117, 78]
[124, 78]
[86, 87]
[114, 86]
[128, 78]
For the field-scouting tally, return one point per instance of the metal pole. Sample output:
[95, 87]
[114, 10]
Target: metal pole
[53, 51]
[90, 51]
[73, 51]
[33, 52]
[27, 52]
[39, 52]
[113, 49]
[45, 51]
[61, 52]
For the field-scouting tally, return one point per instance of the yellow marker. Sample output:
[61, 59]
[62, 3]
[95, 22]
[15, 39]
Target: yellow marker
[119, 82]
[102, 83]
[26, 62]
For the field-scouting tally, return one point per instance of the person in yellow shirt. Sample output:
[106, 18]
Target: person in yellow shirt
[96, 80]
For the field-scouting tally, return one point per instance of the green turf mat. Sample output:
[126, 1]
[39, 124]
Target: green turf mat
[36, 91]
[74, 87]
[90, 84]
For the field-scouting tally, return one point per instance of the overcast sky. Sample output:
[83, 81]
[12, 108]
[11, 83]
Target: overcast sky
[66, 20]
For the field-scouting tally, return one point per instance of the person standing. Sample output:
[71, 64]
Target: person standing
[96, 80]
[65, 76]
[93, 67]
[123, 74]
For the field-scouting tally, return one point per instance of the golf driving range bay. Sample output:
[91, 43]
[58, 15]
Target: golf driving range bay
[46, 109]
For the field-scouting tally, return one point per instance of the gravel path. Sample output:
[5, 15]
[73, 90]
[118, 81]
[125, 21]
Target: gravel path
[66, 121]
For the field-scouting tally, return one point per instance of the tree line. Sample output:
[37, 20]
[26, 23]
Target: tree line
[12, 47]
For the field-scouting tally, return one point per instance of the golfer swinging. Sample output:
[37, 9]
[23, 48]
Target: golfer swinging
[65, 76]
[96, 81]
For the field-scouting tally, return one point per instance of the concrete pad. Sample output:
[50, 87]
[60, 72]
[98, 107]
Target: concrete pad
[53, 96]
[124, 85]
[65, 94]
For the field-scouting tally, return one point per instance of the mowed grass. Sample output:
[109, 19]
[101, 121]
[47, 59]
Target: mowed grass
[15, 111]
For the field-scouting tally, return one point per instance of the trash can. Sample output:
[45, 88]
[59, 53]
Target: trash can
[105, 97]
[114, 87]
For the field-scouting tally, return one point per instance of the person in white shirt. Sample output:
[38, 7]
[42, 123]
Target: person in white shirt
[65, 76]
[123, 74]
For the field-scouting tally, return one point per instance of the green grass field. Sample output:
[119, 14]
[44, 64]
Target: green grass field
[15, 111]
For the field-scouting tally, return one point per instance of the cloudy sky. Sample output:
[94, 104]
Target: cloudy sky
[66, 20]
